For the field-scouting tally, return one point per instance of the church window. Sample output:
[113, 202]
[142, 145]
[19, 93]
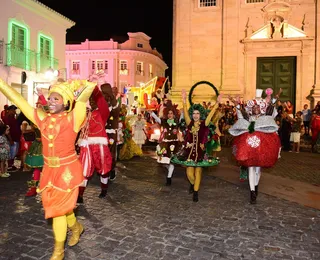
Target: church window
[207, 3]
[254, 1]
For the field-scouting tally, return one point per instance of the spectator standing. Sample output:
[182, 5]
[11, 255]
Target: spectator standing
[288, 108]
[296, 132]
[14, 135]
[306, 117]
[284, 131]
[4, 112]
[4, 150]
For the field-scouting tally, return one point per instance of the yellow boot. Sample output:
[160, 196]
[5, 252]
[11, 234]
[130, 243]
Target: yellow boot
[58, 252]
[77, 229]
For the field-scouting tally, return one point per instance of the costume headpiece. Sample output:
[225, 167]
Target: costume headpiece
[257, 101]
[69, 91]
[170, 107]
[200, 108]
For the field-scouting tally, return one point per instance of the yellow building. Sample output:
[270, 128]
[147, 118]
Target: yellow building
[241, 45]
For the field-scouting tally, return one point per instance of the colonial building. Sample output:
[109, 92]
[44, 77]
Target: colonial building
[32, 42]
[242, 45]
[130, 63]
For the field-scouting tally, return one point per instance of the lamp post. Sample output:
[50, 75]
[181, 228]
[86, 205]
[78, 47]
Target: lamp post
[52, 74]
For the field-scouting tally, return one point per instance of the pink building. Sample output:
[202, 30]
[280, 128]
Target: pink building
[131, 63]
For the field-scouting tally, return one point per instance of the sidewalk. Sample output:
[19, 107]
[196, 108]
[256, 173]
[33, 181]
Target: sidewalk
[295, 177]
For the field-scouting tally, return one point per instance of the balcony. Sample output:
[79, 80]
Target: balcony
[44, 62]
[28, 59]
[124, 72]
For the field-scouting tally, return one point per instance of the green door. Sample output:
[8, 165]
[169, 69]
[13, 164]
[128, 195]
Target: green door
[276, 73]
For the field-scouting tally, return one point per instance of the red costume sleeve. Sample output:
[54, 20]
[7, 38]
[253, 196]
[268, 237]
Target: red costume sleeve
[102, 104]
[42, 100]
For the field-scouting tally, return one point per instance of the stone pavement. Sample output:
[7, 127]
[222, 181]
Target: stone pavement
[142, 219]
[295, 177]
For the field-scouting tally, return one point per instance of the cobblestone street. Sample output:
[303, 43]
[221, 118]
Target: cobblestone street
[143, 219]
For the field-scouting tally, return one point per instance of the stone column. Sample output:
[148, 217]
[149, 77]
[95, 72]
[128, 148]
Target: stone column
[316, 92]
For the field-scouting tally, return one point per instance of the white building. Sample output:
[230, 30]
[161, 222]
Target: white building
[32, 40]
[131, 63]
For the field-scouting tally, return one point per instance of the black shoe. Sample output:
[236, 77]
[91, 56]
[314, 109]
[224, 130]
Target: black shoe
[168, 183]
[12, 169]
[191, 190]
[112, 175]
[103, 193]
[195, 196]
[253, 197]
[256, 190]
[80, 199]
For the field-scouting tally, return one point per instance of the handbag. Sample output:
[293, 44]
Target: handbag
[29, 137]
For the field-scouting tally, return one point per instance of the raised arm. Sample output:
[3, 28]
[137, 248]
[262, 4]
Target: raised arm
[79, 110]
[19, 100]
[236, 103]
[213, 110]
[156, 118]
[185, 109]
[101, 104]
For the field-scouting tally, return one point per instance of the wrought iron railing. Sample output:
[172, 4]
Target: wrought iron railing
[44, 62]
[29, 60]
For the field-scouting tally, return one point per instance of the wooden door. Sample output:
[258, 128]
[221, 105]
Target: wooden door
[276, 73]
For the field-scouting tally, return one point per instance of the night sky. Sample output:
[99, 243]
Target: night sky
[105, 19]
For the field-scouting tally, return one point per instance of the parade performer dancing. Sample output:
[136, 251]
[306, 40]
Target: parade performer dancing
[128, 148]
[112, 124]
[34, 160]
[195, 142]
[256, 143]
[62, 171]
[169, 137]
[93, 143]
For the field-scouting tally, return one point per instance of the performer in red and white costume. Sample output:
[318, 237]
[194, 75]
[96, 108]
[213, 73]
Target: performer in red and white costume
[256, 143]
[94, 152]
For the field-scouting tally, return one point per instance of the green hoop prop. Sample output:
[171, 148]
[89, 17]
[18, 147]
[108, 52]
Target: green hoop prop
[200, 83]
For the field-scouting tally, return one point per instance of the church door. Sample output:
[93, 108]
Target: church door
[276, 73]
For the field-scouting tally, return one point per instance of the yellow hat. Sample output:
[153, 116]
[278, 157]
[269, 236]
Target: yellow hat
[68, 90]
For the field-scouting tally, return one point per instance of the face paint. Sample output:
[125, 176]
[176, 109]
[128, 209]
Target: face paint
[55, 103]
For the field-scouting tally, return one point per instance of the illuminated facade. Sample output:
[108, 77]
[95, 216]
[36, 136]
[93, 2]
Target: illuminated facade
[131, 63]
[32, 40]
[247, 44]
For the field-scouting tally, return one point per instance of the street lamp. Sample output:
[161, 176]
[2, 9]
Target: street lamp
[51, 74]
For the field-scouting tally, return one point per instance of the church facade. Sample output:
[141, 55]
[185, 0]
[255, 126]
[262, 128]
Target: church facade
[242, 45]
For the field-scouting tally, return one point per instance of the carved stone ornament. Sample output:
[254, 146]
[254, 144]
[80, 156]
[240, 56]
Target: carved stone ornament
[278, 8]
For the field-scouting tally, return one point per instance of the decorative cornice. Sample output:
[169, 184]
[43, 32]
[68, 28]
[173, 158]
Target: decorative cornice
[120, 52]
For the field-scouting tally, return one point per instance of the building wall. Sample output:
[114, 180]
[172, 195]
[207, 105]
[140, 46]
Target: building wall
[136, 49]
[38, 19]
[213, 44]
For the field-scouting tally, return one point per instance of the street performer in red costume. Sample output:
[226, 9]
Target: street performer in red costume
[256, 143]
[93, 143]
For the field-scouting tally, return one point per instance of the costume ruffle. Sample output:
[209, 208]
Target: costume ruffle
[204, 163]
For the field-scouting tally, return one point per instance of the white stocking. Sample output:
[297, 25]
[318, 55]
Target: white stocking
[104, 180]
[170, 170]
[258, 174]
[252, 178]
